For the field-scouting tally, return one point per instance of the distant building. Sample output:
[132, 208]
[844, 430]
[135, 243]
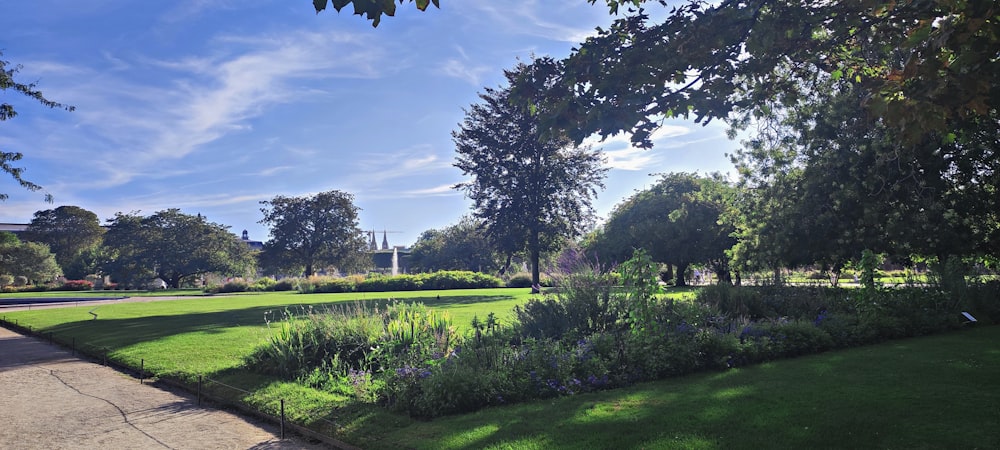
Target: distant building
[254, 245]
[16, 228]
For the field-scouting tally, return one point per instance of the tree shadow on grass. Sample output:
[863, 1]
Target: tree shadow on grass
[115, 333]
[931, 392]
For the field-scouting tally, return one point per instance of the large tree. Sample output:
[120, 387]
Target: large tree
[313, 232]
[920, 65]
[172, 246]
[677, 221]
[7, 111]
[530, 188]
[462, 246]
[32, 260]
[71, 232]
[823, 183]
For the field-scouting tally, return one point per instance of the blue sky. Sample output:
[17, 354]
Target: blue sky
[212, 106]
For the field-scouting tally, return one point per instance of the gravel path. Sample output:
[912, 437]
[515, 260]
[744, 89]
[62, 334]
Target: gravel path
[51, 400]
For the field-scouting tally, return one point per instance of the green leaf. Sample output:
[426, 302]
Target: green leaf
[837, 74]
[337, 4]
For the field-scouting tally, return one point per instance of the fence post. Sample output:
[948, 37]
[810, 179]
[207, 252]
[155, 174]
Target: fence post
[105, 357]
[142, 369]
[199, 390]
[282, 419]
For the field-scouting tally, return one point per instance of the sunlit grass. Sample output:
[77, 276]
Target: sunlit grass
[935, 392]
[931, 392]
[205, 335]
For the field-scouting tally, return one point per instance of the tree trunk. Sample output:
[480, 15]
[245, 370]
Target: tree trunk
[681, 268]
[536, 280]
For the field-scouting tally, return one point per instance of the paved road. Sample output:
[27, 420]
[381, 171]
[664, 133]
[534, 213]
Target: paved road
[51, 400]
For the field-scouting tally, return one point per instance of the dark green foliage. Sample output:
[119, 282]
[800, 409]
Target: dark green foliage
[352, 339]
[593, 336]
[523, 280]
[233, 286]
[313, 232]
[463, 246]
[761, 302]
[172, 246]
[440, 280]
[72, 233]
[284, 284]
[371, 9]
[677, 221]
[529, 190]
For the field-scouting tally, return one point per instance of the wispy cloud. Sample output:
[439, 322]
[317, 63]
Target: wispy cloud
[472, 74]
[622, 155]
[414, 161]
[442, 190]
[274, 170]
[162, 110]
[530, 18]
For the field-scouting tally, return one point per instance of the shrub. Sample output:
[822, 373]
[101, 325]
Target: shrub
[519, 280]
[983, 301]
[6, 280]
[454, 279]
[20, 280]
[234, 285]
[542, 318]
[523, 280]
[332, 285]
[76, 285]
[799, 338]
[301, 342]
[263, 284]
[285, 284]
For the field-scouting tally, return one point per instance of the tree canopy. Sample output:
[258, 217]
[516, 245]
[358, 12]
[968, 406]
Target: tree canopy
[462, 246]
[172, 246]
[372, 9]
[70, 232]
[313, 232]
[677, 221]
[31, 260]
[823, 181]
[528, 189]
[7, 112]
[919, 66]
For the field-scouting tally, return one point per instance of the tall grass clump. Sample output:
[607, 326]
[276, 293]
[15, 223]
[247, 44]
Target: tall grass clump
[349, 347]
[602, 328]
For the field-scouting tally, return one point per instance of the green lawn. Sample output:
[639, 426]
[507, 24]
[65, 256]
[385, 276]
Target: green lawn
[206, 335]
[933, 392]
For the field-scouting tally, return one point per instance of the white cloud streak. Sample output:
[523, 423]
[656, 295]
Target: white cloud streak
[622, 155]
[133, 109]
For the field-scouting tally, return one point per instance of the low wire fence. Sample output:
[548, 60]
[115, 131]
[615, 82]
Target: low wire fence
[204, 391]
